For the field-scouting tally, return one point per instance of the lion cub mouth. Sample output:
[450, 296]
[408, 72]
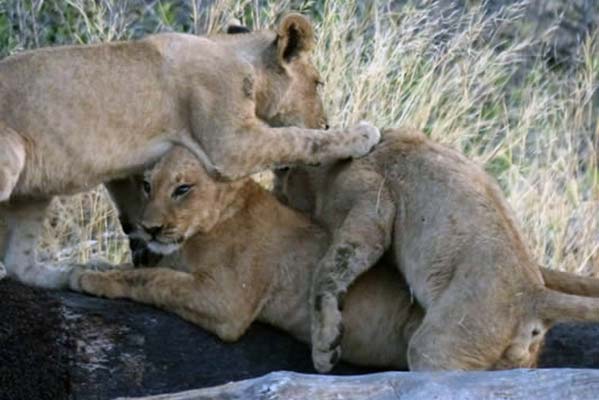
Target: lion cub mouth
[165, 248]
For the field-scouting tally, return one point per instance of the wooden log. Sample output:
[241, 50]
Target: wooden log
[61, 345]
[546, 384]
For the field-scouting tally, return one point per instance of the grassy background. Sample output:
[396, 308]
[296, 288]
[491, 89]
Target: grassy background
[512, 84]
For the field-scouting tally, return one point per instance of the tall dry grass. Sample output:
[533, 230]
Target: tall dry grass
[463, 77]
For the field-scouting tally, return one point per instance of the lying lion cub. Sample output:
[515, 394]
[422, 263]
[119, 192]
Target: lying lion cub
[77, 116]
[454, 239]
[238, 255]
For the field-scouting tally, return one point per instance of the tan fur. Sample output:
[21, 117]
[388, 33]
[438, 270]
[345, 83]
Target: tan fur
[73, 117]
[241, 256]
[455, 240]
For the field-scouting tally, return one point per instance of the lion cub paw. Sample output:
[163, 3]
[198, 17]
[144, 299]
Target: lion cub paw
[327, 332]
[367, 135]
[75, 278]
[2, 271]
[96, 265]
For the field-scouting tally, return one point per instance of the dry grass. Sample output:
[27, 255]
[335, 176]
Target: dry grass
[458, 76]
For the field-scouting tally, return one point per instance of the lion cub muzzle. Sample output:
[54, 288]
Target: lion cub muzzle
[158, 238]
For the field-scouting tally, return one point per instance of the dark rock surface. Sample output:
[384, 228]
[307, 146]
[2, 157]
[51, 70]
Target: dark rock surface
[34, 351]
[60, 345]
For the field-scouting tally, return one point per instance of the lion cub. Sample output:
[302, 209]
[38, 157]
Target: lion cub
[234, 254]
[76, 116]
[454, 239]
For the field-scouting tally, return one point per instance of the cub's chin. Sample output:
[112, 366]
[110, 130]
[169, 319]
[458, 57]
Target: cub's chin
[164, 248]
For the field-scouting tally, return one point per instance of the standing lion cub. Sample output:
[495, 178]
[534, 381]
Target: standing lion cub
[74, 117]
[456, 242]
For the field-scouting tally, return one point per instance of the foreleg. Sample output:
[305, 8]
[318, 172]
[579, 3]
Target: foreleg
[258, 147]
[357, 245]
[202, 301]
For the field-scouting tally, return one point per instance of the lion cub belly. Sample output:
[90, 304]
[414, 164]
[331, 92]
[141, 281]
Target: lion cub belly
[379, 315]
[54, 173]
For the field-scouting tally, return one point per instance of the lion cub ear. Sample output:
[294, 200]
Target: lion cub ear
[295, 36]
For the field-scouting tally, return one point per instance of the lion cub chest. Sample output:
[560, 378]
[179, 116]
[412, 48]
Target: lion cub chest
[230, 259]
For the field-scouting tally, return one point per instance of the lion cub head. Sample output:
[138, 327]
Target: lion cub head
[287, 87]
[182, 200]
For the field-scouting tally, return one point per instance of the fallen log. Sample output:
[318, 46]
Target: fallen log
[520, 384]
[61, 345]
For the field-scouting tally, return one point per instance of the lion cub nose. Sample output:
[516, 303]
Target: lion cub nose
[152, 230]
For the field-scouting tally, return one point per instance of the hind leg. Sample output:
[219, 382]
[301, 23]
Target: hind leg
[25, 221]
[458, 333]
[12, 161]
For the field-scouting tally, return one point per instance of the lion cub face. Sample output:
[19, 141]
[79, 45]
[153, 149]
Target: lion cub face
[289, 84]
[300, 100]
[181, 200]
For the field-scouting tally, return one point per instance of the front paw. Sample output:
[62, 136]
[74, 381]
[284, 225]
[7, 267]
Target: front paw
[95, 283]
[327, 333]
[367, 136]
[75, 275]
[94, 266]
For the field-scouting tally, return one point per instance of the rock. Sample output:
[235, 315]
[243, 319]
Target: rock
[61, 345]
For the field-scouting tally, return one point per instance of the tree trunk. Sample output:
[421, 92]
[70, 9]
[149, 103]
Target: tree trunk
[61, 345]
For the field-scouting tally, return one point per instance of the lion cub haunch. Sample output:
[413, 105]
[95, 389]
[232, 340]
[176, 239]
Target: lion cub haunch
[76, 116]
[455, 241]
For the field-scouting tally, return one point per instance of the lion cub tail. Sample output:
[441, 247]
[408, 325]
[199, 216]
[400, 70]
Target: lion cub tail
[567, 282]
[558, 306]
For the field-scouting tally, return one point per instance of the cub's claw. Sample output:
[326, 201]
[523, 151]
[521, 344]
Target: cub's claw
[327, 333]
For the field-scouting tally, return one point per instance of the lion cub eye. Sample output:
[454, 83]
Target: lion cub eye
[181, 190]
[147, 188]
